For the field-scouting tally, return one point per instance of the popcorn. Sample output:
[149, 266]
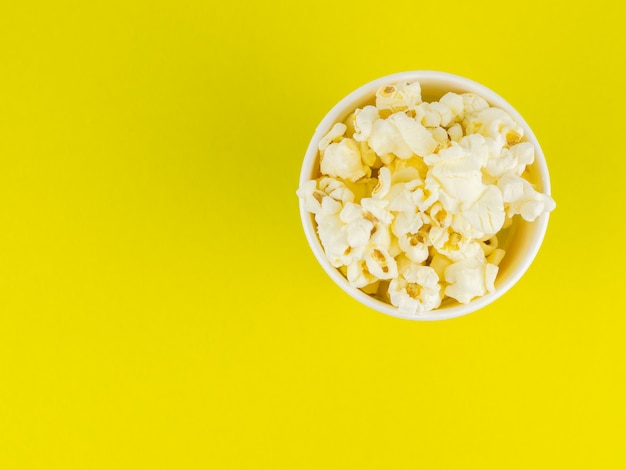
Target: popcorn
[494, 123]
[423, 194]
[334, 135]
[469, 278]
[343, 160]
[512, 160]
[453, 245]
[384, 183]
[454, 105]
[333, 236]
[313, 193]
[440, 135]
[455, 132]
[412, 236]
[386, 138]
[358, 274]
[336, 190]
[473, 103]
[408, 170]
[358, 229]
[399, 97]
[458, 176]
[521, 198]
[380, 263]
[378, 209]
[483, 217]
[416, 290]
[401, 136]
[429, 116]
[413, 197]
[364, 120]
[415, 135]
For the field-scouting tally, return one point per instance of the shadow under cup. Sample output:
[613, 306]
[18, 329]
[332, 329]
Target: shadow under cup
[521, 241]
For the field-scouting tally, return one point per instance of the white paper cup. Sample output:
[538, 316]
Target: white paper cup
[523, 243]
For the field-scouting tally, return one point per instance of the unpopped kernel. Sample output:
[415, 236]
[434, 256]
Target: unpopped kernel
[412, 196]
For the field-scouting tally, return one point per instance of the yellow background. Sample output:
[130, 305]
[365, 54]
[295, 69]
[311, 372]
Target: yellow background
[160, 307]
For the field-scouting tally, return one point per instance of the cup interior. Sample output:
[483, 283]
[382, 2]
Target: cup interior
[523, 239]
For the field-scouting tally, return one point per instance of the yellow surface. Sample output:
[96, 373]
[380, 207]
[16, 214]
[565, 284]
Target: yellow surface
[159, 305]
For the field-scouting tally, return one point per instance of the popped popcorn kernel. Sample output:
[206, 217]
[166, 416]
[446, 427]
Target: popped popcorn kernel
[364, 119]
[455, 132]
[494, 123]
[380, 263]
[416, 290]
[521, 198]
[343, 160]
[399, 96]
[336, 189]
[335, 134]
[472, 103]
[413, 198]
[358, 275]
[470, 278]
[454, 103]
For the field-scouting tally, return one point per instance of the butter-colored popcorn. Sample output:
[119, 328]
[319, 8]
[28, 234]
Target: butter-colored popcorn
[453, 245]
[369, 157]
[335, 134]
[363, 227]
[470, 278]
[386, 139]
[455, 132]
[358, 228]
[472, 103]
[311, 196]
[455, 105]
[439, 263]
[401, 136]
[479, 148]
[399, 96]
[384, 184]
[429, 116]
[521, 198]
[336, 189]
[416, 289]
[415, 135]
[459, 178]
[482, 217]
[511, 160]
[441, 137]
[413, 197]
[343, 160]
[412, 239]
[364, 119]
[313, 192]
[408, 170]
[378, 209]
[380, 263]
[423, 194]
[445, 113]
[494, 123]
[503, 164]
[438, 216]
[358, 274]
[524, 154]
[332, 233]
